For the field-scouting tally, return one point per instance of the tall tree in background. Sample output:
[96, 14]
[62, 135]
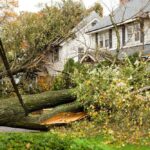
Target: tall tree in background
[32, 34]
[97, 7]
[7, 10]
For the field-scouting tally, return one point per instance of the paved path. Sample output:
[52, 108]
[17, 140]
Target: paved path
[9, 129]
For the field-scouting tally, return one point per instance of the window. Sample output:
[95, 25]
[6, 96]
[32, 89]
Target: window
[130, 32]
[101, 41]
[96, 39]
[137, 32]
[110, 38]
[80, 53]
[123, 35]
[134, 32]
[106, 39]
[56, 55]
[94, 23]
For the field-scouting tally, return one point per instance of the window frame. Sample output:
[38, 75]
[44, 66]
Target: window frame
[130, 35]
[135, 32]
[80, 53]
[101, 41]
[94, 23]
[106, 39]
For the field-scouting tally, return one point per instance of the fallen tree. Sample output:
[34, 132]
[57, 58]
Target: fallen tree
[34, 121]
[11, 110]
[70, 107]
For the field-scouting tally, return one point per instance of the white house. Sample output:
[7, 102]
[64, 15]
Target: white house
[76, 46]
[132, 20]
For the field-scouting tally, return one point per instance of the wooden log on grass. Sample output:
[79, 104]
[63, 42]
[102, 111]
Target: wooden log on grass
[70, 107]
[33, 122]
[11, 110]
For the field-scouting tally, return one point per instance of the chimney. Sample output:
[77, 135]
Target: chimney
[123, 2]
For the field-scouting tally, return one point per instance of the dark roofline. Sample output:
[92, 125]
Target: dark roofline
[111, 26]
[141, 13]
[121, 23]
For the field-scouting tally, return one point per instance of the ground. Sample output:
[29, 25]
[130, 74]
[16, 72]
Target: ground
[83, 135]
[51, 141]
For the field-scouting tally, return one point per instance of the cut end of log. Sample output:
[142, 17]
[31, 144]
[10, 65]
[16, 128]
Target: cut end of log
[64, 118]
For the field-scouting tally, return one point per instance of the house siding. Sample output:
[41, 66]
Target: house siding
[130, 46]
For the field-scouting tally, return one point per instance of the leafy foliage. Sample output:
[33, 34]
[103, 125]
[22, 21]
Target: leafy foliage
[109, 93]
[106, 93]
[7, 11]
[64, 80]
[32, 32]
[97, 8]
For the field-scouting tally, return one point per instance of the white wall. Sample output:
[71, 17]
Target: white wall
[69, 48]
[88, 42]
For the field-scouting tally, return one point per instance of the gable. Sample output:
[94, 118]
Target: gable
[87, 59]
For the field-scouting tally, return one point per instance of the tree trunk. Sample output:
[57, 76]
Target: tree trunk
[71, 107]
[11, 110]
[34, 121]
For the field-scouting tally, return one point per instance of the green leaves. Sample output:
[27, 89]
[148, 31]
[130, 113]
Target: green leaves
[106, 93]
[32, 32]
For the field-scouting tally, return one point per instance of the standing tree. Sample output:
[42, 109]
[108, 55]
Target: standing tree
[33, 34]
[97, 7]
[7, 10]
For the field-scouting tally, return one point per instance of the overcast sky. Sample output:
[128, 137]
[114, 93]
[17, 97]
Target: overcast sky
[31, 5]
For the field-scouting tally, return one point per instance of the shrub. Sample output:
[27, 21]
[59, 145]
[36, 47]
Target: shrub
[65, 80]
[106, 93]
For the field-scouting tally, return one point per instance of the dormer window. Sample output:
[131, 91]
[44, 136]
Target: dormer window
[94, 23]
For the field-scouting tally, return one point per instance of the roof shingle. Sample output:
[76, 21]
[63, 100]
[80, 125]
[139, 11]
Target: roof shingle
[123, 13]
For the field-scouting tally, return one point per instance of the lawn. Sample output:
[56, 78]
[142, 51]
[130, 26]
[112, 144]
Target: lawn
[51, 141]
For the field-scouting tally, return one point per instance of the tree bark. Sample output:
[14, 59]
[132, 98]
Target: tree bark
[71, 107]
[11, 110]
[33, 122]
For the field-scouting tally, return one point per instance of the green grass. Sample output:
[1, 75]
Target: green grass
[50, 141]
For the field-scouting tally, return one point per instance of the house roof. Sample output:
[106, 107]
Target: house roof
[93, 15]
[85, 21]
[123, 13]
